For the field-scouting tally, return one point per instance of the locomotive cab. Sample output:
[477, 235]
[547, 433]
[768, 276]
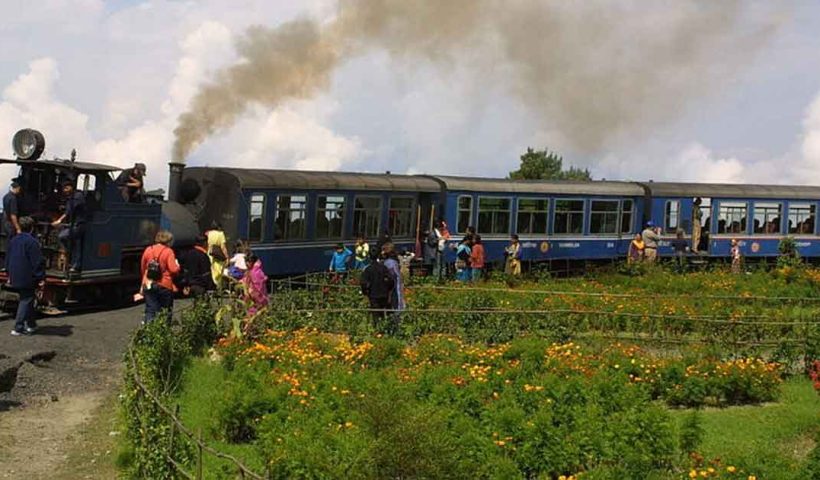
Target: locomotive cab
[110, 242]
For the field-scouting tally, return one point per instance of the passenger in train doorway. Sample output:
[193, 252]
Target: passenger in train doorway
[477, 258]
[737, 256]
[463, 251]
[697, 217]
[680, 246]
[377, 285]
[11, 213]
[512, 252]
[362, 254]
[391, 262]
[218, 253]
[650, 239]
[26, 269]
[340, 262]
[159, 267]
[196, 276]
[72, 224]
[636, 249]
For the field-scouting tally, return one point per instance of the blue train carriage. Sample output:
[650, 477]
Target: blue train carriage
[555, 220]
[294, 219]
[116, 231]
[758, 216]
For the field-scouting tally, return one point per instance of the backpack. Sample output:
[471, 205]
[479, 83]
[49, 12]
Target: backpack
[153, 271]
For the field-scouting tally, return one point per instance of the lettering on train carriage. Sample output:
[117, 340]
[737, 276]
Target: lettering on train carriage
[610, 244]
[802, 244]
[529, 245]
[568, 244]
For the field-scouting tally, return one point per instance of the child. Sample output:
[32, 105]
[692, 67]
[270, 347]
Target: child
[237, 263]
[463, 252]
[362, 259]
[477, 258]
[339, 261]
[256, 289]
[636, 248]
[737, 258]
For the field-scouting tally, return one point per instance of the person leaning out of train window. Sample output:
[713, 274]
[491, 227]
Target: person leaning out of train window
[477, 258]
[650, 239]
[362, 253]
[340, 261]
[26, 270]
[73, 224]
[463, 251]
[196, 269]
[636, 249]
[217, 251]
[159, 267]
[512, 251]
[131, 183]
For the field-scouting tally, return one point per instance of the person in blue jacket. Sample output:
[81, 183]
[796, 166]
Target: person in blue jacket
[340, 261]
[26, 269]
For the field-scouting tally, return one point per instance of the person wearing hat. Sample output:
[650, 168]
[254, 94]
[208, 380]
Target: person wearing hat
[131, 183]
[11, 211]
[650, 241]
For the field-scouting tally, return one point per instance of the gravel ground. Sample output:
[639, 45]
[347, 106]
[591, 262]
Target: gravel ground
[52, 386]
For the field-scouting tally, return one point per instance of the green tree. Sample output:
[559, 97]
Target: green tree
[546, 165]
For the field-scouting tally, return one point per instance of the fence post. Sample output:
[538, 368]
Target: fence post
[199, 454]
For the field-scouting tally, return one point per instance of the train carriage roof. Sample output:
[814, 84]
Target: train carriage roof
[65, 164]
[296, 179]
[560, 187]
[732, 190]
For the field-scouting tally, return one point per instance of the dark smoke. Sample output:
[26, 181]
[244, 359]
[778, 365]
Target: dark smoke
[595, 70]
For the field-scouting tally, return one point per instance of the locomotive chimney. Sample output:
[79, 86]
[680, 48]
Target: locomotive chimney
[174, 180]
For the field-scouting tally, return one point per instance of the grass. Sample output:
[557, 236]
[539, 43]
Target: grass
[772, 441]
[200, 395]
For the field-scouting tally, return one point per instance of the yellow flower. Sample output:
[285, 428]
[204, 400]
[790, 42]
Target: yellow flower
[752, 477]
[730, 469]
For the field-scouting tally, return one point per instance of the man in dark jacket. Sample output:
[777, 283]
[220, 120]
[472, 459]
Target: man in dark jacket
[71, 233]
[26, 270]
[377, 284]
[196, 269]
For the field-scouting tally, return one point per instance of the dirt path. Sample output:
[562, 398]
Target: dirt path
[58, 396]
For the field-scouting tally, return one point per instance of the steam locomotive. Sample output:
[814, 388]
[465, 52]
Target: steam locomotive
[293, 219]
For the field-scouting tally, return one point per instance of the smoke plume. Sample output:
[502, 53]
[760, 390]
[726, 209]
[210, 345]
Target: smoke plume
[596, 71]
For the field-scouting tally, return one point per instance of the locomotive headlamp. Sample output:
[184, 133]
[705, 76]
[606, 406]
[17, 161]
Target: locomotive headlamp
[28, 144]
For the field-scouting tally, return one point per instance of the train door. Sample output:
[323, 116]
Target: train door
[701, 224]
[427, 211]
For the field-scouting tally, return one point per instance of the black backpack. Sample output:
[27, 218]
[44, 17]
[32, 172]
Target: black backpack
[153, 271]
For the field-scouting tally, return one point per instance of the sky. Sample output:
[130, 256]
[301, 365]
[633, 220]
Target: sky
[111, 78]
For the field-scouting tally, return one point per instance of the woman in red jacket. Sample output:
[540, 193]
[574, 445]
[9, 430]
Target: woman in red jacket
[477, 258]
[159, 267]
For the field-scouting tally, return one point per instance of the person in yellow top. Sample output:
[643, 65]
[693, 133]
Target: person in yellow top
[362, 254]
[636, 248]
[217, 252]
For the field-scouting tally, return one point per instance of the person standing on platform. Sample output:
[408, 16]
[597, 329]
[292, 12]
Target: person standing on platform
[196, 269]
[391, 262]
[159, 267]
[362, 254]
[513, 254]
[477, 258]
[697, 216]
[11, 211]
[377, 285]
[650, 240]
[26, 269]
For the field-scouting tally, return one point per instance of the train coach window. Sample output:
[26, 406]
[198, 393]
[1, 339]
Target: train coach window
[732, 217]
[330, 212]
[465, 212]
[603, 218]
[86, 182]
[569, 217]
[671, 216]
[367, 214]
[291, 217]
[532, 216]
[494, 215]
[256, 215]
[627, 212]
[801, 218]
[767, 217]
[400, 216]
